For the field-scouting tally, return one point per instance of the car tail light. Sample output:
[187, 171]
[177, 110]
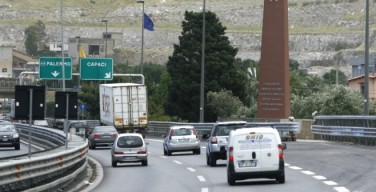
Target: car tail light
[114, 135]
[195, 133]
[118, 153]
[141, 152]
[230, 154]
[97, 136]
[213, 140]
[280, 149]
[171, 133]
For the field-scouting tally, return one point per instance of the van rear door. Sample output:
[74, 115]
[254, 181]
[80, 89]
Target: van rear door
[246, 152]
[269, 155]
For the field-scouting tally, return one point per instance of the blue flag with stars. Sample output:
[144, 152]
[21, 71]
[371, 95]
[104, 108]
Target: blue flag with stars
[148, 23]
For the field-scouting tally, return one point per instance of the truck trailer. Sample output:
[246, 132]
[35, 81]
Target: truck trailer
[124, 106]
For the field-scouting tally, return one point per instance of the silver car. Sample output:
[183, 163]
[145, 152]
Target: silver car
[102, 136]
[129, 148]
[181, 138]
[217, 141]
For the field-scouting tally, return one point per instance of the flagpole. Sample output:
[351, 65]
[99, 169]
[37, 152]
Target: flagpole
[142, 36]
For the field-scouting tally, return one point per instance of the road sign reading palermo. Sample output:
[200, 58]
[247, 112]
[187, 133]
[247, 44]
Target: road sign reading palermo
[51, 68]
[96, 68]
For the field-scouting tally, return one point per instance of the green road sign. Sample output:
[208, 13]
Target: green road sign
[96, 68]
[51, 68]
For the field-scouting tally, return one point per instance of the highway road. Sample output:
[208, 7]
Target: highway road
[10, 151]
[310, 167]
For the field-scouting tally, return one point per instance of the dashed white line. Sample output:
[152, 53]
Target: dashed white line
[191, 169]
[295, 168]
[319, 177]
[341, 189]
[308, 172]
[164, 157]
[286, 164]
[204, 190]
[201, 178]
[155, 140]
[330, 183]
[178, 162]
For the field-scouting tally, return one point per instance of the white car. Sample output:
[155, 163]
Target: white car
[129, 148]
[181, 138]
[255, 153]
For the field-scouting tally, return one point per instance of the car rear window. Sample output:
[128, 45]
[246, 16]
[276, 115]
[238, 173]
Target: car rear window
[224, 130]
[183, 131]
[129, 142]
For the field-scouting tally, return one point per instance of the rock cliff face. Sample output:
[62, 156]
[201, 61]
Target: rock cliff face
[318, 28]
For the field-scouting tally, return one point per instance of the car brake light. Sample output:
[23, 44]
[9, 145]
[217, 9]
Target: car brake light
[280, 149]
[118, 153]
[171, 133]
[141, 152]
[195, 132]
[97, 136]
[213, 140]
[114, 135]
[230, 154]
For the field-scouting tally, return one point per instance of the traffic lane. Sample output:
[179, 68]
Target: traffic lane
[10, 151]
[215, 178]
[349, 165]
[160, 174]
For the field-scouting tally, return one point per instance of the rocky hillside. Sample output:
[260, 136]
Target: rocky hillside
[317, 27]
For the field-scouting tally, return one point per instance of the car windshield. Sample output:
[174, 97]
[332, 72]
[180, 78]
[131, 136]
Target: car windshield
[182, 131]
[224, 130]
[129, 142]
[6, 128]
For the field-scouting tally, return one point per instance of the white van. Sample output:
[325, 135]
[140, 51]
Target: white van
[255, 153]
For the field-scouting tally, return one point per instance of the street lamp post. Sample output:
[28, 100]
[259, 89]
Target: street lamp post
[202, 66]
[142, 36]
[366, 70]
[105, 36]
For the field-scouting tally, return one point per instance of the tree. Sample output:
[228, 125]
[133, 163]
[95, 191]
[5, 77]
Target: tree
[331, 77]
[31, 42]
[184, 67]
[223, 103]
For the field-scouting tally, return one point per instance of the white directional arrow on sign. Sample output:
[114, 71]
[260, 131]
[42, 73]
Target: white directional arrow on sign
[107, 75]
[55, 73]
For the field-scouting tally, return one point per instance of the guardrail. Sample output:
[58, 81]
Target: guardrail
[46, 170]
[358, 129]
[158, 129]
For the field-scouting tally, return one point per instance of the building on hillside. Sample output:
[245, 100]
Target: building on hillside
[23, 62]
[94, 47]
[6, 60]
[356, 82]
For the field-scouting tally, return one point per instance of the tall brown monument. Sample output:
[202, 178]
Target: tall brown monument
[274, 87]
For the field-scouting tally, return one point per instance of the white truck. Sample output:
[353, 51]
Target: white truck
[124, 106]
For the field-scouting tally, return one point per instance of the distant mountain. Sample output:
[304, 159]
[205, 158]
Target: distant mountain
[318, 28]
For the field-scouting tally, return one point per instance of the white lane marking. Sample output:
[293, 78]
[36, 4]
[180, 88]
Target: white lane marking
[155, 140]
[308, 172]
[286, 164]
[204, 190]
[201, 178]
[164, 157]
[178, 162]
[331, 183]
[203, 147]
[295, 168]
[319, 177]
[26, 143]
[341, 189]
[191, 169]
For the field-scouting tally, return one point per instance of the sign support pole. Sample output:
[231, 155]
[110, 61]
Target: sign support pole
[30, 119]
[66, 121]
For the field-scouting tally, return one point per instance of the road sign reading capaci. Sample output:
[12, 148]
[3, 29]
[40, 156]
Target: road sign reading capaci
[51, 68]
[96, 68]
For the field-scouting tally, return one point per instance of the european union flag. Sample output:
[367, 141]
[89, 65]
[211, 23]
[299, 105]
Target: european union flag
[148, 23]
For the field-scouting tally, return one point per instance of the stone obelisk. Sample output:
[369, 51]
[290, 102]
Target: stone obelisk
[274, 82]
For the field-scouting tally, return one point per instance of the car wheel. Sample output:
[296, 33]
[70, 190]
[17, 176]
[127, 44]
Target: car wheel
[281, 179]
[164, 150]
[212, 160]
[169, 153]
[114, 164]
[207, 160]
[17, 147]
[197, 151]
[145, 162]
[230, 179]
